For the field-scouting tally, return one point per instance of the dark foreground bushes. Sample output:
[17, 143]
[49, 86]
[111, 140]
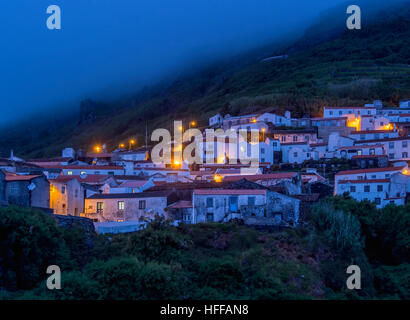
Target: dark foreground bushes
[210, 261]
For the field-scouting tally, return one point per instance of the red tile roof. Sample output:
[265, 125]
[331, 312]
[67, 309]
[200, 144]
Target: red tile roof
[372, 131]
[256, 177]
[15, 177]
[229, 192]
[362, 146]
[365, 181]
[370, 156]
[90, 167]
[181, 204]
[369, 170]
[367, 108]
[90, 178]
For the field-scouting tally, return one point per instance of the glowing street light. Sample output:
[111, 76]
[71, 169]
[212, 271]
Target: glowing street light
[218, 178]
[263, 132]
[122, 146]
[97, 149]
[131, 143]
[193, 123]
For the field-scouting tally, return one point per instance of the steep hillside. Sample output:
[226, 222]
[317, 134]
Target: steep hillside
[351, 68]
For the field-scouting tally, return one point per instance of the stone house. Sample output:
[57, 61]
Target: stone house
[256, 206]
[26, 190]
[128, 206]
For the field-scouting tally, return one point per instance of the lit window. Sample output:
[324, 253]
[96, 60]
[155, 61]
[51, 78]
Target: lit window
[70, 173]
[100, 207]
[120, 205]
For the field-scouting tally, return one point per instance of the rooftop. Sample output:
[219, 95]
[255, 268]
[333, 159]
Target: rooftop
[371, 170]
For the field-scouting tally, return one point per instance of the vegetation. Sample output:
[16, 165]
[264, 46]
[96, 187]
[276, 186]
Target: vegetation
[212, 261]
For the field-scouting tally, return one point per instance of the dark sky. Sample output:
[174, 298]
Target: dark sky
[111, 47]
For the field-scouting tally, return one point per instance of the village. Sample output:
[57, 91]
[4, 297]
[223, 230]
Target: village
[358, 151]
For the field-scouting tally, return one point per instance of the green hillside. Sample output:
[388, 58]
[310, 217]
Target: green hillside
[352, 68]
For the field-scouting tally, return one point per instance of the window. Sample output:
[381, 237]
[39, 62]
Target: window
[63, 205]
[283, 138]
[404, 155]
[360, 177]
[331, 112]
[387, 175]
[210, 217]
[120, 205]
[359, 152]
[372, 152]
[340, 113]
[295, 154]
[262, 150]
[377, 201]
[391, 145]
[362, 137]
[209, 202]
[391, 155]
[251, 201]
[366, 188]
[308, 155]
[142, 204]
[70, 173]
[404, 144]
[100, 207]
[63, 189]
[352, 188]
[376, 136]
[76, 193]
[379, 188]
[381, 123]
[295, 138]
[111, 173]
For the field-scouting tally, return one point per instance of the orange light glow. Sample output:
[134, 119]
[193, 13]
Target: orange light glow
[122, 145]
[221, 159]
[254, 120]
[263, 129]
[388, 126]
[193, 123]
[132, 141]
[405, 171]
[354, 123]
[97, 149]
[180, 128]
[218, 178]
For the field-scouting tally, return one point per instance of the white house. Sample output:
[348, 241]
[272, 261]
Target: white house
[214, 205]
[216, 120]
[395, 148]
[373, 134]
[391, 190]
[363, 150]
[405, 104]
[331, 112]
[297, 152]
[275, 119]
[369, 174]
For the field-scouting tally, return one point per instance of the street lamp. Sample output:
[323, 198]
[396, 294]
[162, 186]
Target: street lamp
[132, 142]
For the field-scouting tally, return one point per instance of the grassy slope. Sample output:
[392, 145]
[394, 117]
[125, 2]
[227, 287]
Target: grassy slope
[353, 68]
